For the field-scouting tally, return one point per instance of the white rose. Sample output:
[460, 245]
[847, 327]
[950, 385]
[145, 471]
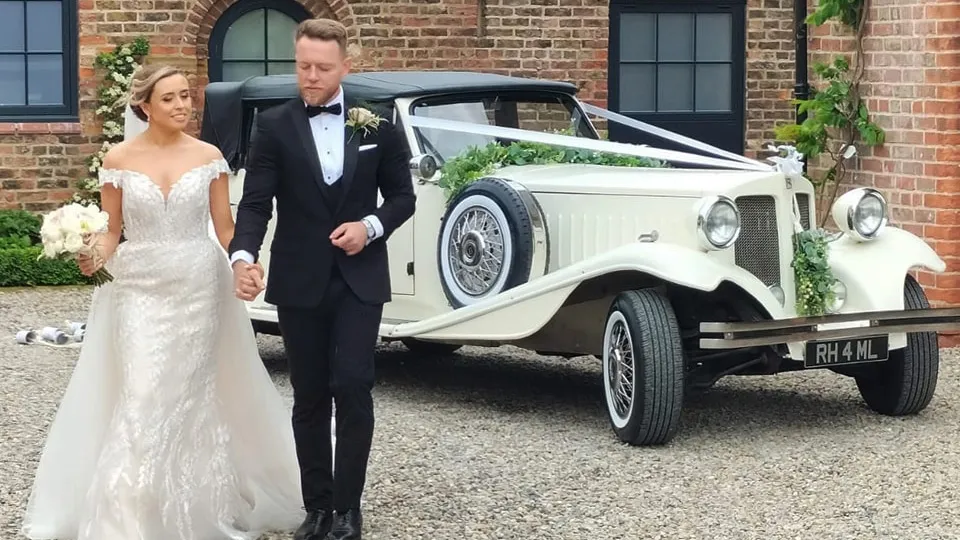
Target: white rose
[361, 116]
[50, 251]
[73, 243]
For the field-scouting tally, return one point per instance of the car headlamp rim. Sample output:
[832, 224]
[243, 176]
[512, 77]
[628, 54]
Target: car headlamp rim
[706, 208]
[856, 198]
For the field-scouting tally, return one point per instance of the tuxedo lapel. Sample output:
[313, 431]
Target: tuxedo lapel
[302, 124]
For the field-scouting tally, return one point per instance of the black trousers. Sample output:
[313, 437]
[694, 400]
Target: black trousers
[330, 354]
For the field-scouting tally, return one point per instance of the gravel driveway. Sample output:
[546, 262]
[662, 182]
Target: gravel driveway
[500, 444]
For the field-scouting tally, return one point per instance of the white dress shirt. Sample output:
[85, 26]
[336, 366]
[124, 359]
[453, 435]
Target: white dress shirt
[328, 133]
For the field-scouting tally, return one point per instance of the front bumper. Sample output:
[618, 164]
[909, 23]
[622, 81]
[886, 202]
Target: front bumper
[735, 335]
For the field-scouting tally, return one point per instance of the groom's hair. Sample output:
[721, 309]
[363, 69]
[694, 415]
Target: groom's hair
[324, 30]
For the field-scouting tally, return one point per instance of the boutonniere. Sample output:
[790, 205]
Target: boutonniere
[361, 119]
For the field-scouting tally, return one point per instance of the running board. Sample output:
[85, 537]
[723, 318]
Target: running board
[871, 323]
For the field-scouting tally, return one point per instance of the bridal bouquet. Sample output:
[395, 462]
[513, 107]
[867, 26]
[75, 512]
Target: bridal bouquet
[70, 231]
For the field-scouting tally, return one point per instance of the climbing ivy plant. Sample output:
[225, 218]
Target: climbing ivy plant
[837, 120]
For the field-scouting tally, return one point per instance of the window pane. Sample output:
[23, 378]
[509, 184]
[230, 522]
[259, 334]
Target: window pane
[12, 77]
[281, 68]
[45, 79]
[238, 71]
[675, 37]
[244, 39]
[638, 37]
[714, 38]
[713, 87]
[637, 88]
[11, 26]
[280, 32]
[44, 26]
[675, 88]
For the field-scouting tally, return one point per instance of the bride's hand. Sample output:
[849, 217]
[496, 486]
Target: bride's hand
[91, 261]
[88, 264]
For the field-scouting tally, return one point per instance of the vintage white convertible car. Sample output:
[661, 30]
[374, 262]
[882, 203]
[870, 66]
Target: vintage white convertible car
[673, 276]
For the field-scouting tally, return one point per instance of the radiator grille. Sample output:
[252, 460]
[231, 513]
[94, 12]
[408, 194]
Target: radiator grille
[758, 248]
[803, 202]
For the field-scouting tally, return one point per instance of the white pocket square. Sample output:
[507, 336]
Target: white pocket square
[366, 147]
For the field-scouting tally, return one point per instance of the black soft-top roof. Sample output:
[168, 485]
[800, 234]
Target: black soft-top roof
[223, 109]
[388, 85]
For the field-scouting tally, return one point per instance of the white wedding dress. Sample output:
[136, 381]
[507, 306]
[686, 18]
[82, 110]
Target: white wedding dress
[170, 428]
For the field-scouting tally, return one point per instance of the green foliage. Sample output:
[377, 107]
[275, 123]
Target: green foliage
[477, 162]
[846, 11]
[19, 249]
[814, 278]
[118, 67]
[837, 117]
[19, 267]
[833, 107]
[20, 224]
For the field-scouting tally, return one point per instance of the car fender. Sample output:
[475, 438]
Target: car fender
[874, 271]
[523, 310]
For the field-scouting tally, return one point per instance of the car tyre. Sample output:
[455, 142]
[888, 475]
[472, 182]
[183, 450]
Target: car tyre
[643, 368]
[486, 243]
[906, 382]
[429, 348]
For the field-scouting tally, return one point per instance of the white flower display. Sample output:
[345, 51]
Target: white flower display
[71, 230]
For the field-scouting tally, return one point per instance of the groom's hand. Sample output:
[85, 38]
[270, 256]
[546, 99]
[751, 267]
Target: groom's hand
[350, 237]
[247, 280]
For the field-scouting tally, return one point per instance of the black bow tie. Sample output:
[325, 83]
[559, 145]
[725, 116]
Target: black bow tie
[313, 110]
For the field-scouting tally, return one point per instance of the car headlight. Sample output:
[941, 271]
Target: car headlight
[718, 222]
[860, 212]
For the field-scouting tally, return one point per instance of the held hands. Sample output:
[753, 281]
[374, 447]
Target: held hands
[247, 280]
[350, 237]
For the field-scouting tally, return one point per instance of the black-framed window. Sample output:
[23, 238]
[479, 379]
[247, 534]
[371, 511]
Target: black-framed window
[254, 37]
[38, 60]
[679, 65]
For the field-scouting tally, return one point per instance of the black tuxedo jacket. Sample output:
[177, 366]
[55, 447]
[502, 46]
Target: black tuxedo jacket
[283, 165]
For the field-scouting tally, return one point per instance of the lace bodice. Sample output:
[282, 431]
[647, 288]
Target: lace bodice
[183, 214]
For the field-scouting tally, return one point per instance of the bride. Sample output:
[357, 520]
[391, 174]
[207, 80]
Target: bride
[170, 427]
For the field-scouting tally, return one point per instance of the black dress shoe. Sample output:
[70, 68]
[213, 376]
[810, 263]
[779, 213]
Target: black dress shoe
[346, 525]
[316, 526]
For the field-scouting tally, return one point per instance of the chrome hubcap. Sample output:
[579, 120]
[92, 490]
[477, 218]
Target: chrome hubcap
[620, 373]
[476, 251]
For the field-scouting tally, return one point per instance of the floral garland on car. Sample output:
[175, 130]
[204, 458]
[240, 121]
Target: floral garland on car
[813, 278]
[479, 161]
[119, 66]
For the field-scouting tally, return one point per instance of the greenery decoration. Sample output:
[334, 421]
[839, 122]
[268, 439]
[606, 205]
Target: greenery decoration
[815, 280]
[118, 67]
[837, 119]
[477, 162]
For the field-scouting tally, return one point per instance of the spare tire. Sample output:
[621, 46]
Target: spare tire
[492, 238]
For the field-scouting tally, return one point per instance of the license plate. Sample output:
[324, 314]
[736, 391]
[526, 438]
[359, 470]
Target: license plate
[846, 351]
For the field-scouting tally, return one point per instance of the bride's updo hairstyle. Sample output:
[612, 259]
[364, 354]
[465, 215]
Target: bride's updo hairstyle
[143, 83]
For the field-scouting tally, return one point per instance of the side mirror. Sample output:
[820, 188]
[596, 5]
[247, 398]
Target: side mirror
[423, 166]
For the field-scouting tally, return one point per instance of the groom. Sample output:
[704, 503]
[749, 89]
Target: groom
[329, 276]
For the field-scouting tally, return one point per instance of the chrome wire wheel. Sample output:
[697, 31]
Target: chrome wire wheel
[619, 367]
[643, 368]
[476, 251]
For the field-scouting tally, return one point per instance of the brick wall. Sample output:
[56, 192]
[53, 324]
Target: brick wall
[559, 39]
[912, 88]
